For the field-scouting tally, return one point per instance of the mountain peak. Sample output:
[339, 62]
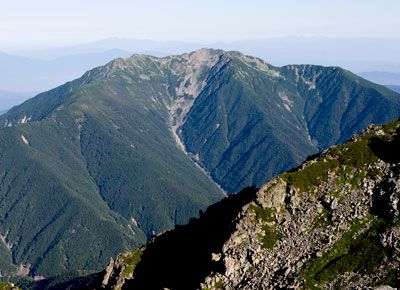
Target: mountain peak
[182, 63]
[147, 142]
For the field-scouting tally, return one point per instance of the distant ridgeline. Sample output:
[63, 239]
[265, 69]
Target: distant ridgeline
[100, 164]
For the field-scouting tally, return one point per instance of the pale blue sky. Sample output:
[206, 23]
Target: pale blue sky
[37, 23]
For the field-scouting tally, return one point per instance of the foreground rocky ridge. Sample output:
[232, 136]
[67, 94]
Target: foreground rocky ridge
[332, 223]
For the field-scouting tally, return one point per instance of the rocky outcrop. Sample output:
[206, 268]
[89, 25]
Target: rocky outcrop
[120, 270]
[332, 223]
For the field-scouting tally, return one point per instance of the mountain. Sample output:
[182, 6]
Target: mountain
[380, 77]
[100, 164]
[25, 74]
[91, 168]
[332, 223]
[394, 88]
[261, 107]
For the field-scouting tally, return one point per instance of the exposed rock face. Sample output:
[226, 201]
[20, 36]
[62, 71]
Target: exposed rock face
[120, 270]
[332, 223]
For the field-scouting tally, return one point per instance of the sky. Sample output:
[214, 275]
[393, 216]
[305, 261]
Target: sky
[46, 23]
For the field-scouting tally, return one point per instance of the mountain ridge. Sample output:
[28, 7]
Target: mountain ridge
[118, 65]
[151, 142]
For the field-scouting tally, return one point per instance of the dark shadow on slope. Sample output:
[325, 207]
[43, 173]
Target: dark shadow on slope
[70, 281]
[181, 259]
[382, 204]
[388, 151]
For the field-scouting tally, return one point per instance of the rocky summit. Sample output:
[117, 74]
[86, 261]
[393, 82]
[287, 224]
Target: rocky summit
[332, 223]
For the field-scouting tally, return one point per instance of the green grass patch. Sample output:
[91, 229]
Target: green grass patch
[251, 269]
[357, 154]
[352, 253]
[364, 258]
[271, 234]
[270, 237]
[266, 215]
[7, 286]
[219, 284]
[131, 261]
[322, 220]
[391, 127]
[337, 194]
[373, 173]
[348, 175]
[354, 154]
[312, 175]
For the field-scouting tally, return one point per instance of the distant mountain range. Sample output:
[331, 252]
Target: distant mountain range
[394, 88]
[357, 54]
[100, 164]
[9, 99]
[25, 74]
[384, 78]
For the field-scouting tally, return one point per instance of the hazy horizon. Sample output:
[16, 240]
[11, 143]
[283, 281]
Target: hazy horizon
[206, 44]
[47, 43]
[26, 25]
